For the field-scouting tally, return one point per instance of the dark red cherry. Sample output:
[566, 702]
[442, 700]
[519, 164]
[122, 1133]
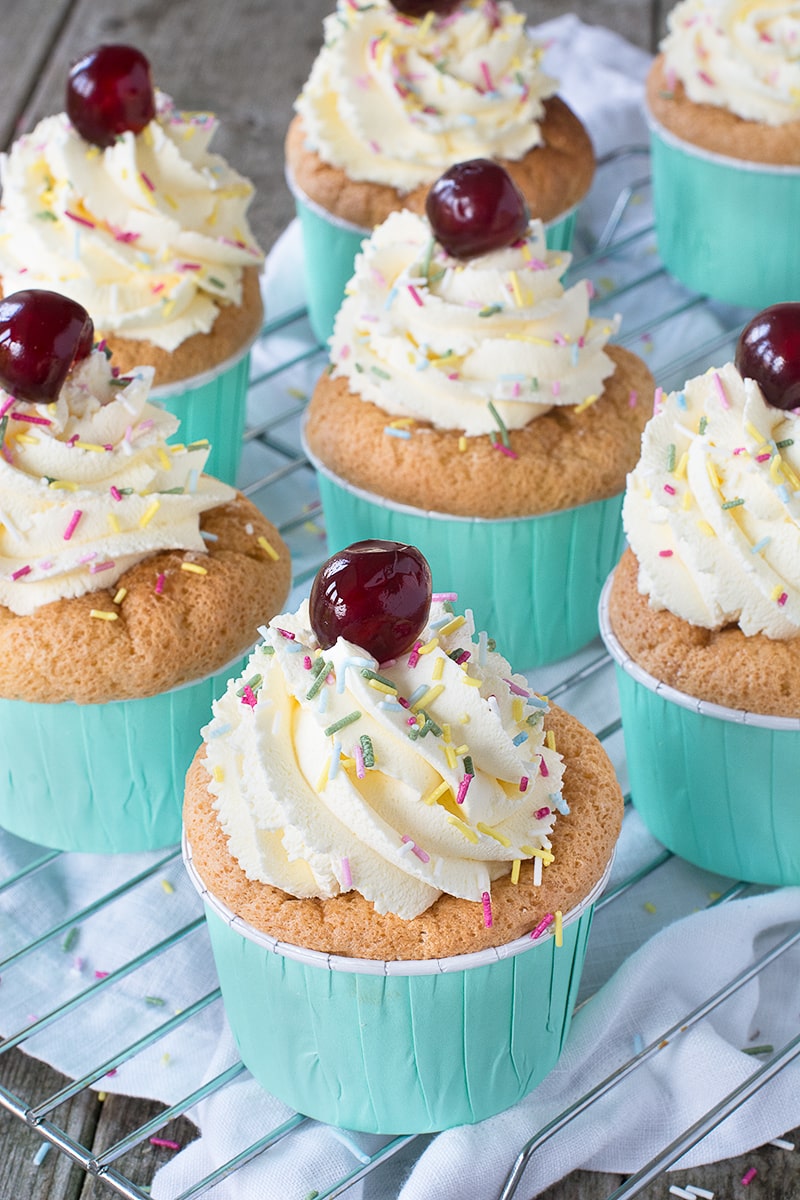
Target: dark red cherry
[476, 207]
[418, 8]
[110, 91]
[375, 594]
[768, 351]
[41, 335]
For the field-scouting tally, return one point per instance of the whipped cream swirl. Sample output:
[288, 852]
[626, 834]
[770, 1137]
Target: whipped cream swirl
[430, 774]
[712, 510]
[474, 345]
[396, 100]
[150, 235]
[89, 487]
[738, 55]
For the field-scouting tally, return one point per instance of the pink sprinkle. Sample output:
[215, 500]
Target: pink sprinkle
[358, 755]
[402, 701]
[347, 878]
[115, 492]
[285, 633]
[463, 788]
[523, 783]
[411, 720]
[739, 450]
[706, 78]
[516, 690]
[454, 375]
[148, 183]
[307, 662]
[22, 571]
[543, 925]
[18, 416]
[90, 554]
[509, 453]
[723, 399]
[190, 266]
[485, 72]
[160, 583]
[413, 657]
[669, 489]
[73, 521]
[633, 398]
[658, 399]
[155, 288]
[110, 1074]
[123, 235]
[764, 457]
[165, 1142]
[101, 974]
[105, 566]
[442, 597]
[665, 554]
[487, 909]
[374, 147]
[421, 855]
[556, 388]
[782, 599]
[11, 400]
[541, 813]
[543, 771]
[78, 220]
[559, 339]
[249, 696]
[748, 1177]
[415, 296]
[76, 437]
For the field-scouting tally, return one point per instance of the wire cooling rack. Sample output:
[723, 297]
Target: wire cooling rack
[678, 334]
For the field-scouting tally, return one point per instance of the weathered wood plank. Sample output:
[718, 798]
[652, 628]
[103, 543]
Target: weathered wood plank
[119, 1116]
[29, 32]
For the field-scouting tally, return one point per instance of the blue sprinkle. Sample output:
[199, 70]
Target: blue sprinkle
[399, 433]
[207, 536]
[390, 299]
[536, 702]
[417, 692]
[422, 364]
[218, 731]
[336, 754]
[757, 547]
[574, 353]
[520, 738]
[390, 705]
[783, 493]
[41, 1154]
[681, 400]
[559, 803]
[638, 1043]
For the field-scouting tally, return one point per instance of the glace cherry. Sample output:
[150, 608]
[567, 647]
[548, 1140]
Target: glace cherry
[418, 8]
[476, 207]
[375, 594]
[768, 351]
[41, 335]
[109, 92]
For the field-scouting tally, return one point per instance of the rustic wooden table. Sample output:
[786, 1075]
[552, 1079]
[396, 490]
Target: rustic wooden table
[247, 62]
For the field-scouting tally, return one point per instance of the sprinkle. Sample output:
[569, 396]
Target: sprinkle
[156, 1001]
[543, 926]
[436, 793]
[463, 787]
[665, 554]
[103, 616]
[413, 657]
[680, 1192]
[415, 849]
[415, 296]
[428, 647]
[543, 771]
[487, 909]
[41, 1153]
[165, 1142]
[559, 929]
[19, 416]
[167, 886]
[341, 723]
[103, 566]
[462, 444]
[286, 633]
[347, 878]
[733, 503]
[428, 697]
[194, 568]
[218, 774]
[20, 572]
[472, 682]
[490, 309]
[248, 696]
[449, 628]
[782, 1144]
[490, 832]
[749, 1176]
[537, 872]
[703, 425]
[541, 813]
[367, 750]
[148, 183]
[648, 906]
[160, 580]
[323, 777]
[515, 870]
[523, 783]
[720, 390]
[71, 939]
[268, 549]
[149, 513]
[706, 529]
[765, 1049]
[397, 433]
[358, 755]
[73, 522]
[520, 738]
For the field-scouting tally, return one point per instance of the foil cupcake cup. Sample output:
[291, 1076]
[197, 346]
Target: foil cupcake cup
[726, 227]
[533, 581]
[330, 246]
[715, 785]
[102, 778]
[212, 406]
[399, 1046]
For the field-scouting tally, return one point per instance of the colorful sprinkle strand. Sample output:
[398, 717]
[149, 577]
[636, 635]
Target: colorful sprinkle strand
[487, 909]
[543, 926]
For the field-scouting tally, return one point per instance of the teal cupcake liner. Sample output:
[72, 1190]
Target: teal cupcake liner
[102, 778]
[726, 227]
[533, 583]
[331, 244]
[716, 785]
[212, 406]
[399, 1046]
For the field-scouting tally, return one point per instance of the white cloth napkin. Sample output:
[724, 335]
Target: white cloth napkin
[683, 958]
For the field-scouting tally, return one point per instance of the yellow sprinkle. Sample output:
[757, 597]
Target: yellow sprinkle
[103, 616]
[559, 928]
[468, 833]
[776, 593]
[434, 795]
[648, 906]
[63, 485]
[438, 667]
[425, 24]
[170, 200]
[193, 568]
[463, 749]
[323, 776]
[686, 502]
[147, 136]
[754, 434]
[451, 627]
[163, 458]
[544, 855]
[268, 548]
[113, 522]
[464, 719]
[446, 731]
[550, 739]
[712, 473]
[386, 688]
[168, 307]
[450, 755]
[431, 645]
[515, 870]
[148, 515]
[165, 1059]
[167, 886]
[522, 337]
[493, 833]
[428, 697]
[587, 403]
[26, 439]
[90, 446]
[705, 528]
[101, 1096]
[791, 476]
[120, 596]
[218, 774]
[401, 423]
[177, 448]
[517, 709]
[462, 444]
[472, 682]
[516, 290]
[680, 470]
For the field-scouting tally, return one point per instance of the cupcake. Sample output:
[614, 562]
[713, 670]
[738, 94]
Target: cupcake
[130, 584]
[723, 102]
[474, 408]
[399, 845]
[702, 616]
[119, 204]
[400, 91]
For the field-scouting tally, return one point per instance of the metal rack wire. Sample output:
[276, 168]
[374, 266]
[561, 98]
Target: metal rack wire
[622, 263]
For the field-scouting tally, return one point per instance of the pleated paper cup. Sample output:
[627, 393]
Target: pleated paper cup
[532, 582]
[726, 227]
[330, 246]
[102, 778]
[212, 406]
[716, 785]
[400, 1046]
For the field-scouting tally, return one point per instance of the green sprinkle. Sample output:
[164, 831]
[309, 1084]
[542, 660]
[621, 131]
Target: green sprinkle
[491, 644]
[156, 1001]
[71, 939]
[254, 684]
[369, 674]
[701, 428]
[413, 732]
[126, 491]
[436, 276]
[200, 444]
[267, 649]
[468, 767]
[733, 503]
[766, 1049]
[500, 422]
[490, 310]
[448, 606]
[216, 282]
[379, 371]
[367, 749]
[534, 383]
[317, 666]
[311, 1196]
[322, 675]
[359, 368]
[671, 455]
[784, 442]
[3, 428]
[176, 491]
[47, 215]
[341, 723]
